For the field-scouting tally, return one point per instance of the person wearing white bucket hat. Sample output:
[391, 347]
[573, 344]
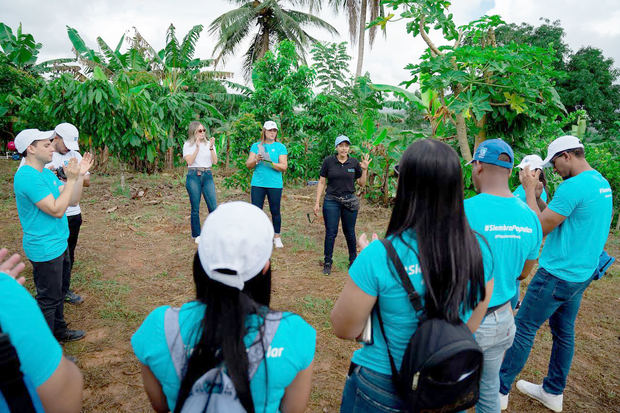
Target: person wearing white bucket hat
[269, 159]
[42, 200]
[66, 147]
[576, 222]
[232, 274]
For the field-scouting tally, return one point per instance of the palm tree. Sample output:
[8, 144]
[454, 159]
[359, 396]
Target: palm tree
[356, 11]
[274, 25]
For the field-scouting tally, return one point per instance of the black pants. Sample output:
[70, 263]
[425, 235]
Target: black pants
[75, 222]
[51, 279]
[333, 212]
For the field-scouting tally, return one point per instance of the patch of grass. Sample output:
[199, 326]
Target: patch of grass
[119, 190]
[300, 241]
[115, 310]
[163, 274]
[110, 289]
[319, 308]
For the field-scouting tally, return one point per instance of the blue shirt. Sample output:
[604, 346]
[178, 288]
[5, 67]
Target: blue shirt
[514, 234]
[295, 341]
[520, 193]
[20, 317]
[45, 236]
[370, 273]
[264, 175]
[572, 249]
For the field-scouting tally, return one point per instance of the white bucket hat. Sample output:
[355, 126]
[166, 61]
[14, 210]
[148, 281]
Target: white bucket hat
[237, 237]
[533, 161]
[270, 125]
[561, 144]
[27, 136]
[69, 135]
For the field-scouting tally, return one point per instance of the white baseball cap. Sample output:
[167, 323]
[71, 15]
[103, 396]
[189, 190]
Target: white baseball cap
[561, 144]
[270, 125]
[27, 136]
[237, 237]
[533, 161]
[69, 135]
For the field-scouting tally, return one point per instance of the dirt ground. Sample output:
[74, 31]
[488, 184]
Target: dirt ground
[135, 253]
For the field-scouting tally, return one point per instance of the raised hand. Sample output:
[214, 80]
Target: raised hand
[366, 159]
[86, 163]
[72, 169]
[211, 143]
[12, 266]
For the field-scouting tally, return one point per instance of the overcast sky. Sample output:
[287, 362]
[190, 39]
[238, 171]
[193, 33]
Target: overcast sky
[586, 23]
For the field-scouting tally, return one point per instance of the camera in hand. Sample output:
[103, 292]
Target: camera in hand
[60, 173]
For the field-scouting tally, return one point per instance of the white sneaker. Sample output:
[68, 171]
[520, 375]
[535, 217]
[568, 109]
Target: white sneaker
[503, 401]
[536, 391]
[277, 242]
[197, 239]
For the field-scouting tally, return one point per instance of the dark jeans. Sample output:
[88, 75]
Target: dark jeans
[547, 298]
[75, 222]
[333, 212]
[51, 279]
[367, 391]
[196, 186]
[274, 195]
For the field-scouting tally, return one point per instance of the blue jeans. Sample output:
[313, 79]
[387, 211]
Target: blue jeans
[333, 212]
[494, 336]
[547, 297]
[514, 300]
[367, 391]
[197, 185]
[274, 195]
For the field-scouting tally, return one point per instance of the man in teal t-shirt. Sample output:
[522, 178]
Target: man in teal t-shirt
[577, 222]
[42, 200]
[514, 236]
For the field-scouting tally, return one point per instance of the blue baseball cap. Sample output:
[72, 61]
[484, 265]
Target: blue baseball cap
[341, 139]
[490, 150]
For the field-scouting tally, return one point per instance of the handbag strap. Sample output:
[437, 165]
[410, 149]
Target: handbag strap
[414, 298]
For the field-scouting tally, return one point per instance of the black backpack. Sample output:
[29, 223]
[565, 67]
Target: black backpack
[442, 364]
[15, 393]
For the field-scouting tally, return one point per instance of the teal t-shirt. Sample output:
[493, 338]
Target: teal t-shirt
[514, 234]
[370, 273]
[45, 236]
[20, 317]
[295, 342]
[264, 175]
[520, 193]
[572, 249]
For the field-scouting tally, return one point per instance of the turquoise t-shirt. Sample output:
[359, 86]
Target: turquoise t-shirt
[264, 175]
[520, 193]
[45, 236]
[572, 249]
[20, 317]
[295, 342]
[514, 234]
[370, 273]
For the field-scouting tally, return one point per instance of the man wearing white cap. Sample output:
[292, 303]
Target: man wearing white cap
[42, 200]
[66, 147]
[577, 222]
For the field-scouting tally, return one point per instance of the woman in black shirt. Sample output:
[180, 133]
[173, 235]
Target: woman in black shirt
[340, 203]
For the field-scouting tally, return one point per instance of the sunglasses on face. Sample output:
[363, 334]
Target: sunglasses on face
[552, 161]
[201, 130]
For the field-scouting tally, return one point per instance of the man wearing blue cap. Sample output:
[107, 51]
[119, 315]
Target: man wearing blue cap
[514, 235]
[577, 222]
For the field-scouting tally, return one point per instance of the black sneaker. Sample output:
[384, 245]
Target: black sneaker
[69, 335]
[73, 298]
[327, 269]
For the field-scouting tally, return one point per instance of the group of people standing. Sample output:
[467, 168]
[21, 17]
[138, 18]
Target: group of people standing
[268, 159]
[227, 348]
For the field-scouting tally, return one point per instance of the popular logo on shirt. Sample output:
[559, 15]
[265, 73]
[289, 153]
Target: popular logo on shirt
[273, 352]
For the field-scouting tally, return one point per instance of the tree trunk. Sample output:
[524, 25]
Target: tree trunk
[461, 136]
[227, 151]
[361, 38]
[170, 152]
[482, 134]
